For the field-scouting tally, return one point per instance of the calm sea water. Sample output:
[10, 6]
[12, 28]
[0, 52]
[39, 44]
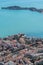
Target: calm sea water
[20, 21]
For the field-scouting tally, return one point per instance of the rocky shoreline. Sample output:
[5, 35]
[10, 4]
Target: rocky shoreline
[23, 8]
[21, 50]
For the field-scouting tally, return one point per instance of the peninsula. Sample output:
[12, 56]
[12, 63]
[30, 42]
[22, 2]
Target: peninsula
[23, 8]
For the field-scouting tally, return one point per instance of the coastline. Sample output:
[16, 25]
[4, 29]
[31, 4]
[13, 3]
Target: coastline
[21, 32]
[20, 49]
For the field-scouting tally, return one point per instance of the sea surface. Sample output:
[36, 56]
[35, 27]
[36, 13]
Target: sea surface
[21, 21]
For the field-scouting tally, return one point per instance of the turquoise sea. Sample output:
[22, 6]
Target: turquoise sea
[21, 21]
